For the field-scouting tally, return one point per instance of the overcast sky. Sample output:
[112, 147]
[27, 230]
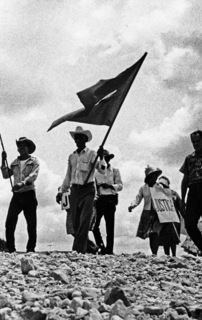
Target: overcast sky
[51, 49]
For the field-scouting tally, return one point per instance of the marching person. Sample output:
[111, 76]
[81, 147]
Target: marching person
[169, 236]
[25, 171]
[108, 185]
[192, 180]
[82, 193]
[149, 225]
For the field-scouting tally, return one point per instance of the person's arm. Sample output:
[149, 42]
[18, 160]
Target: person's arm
[65, 185]
[137, 200]
[184, 186]
[66, 182]
[33, 174]
[118, 184]
[179, 207]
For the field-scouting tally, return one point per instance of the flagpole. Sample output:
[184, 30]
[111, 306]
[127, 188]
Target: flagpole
[175, 230]
[110, 127]
[6, 162]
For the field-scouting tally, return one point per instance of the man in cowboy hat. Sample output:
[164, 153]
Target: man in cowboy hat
[25, 171]
[108, 184]
[80, 166]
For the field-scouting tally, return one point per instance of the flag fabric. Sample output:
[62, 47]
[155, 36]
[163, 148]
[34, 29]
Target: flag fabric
[103, 100]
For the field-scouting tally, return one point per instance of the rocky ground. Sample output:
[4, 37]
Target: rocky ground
[56, 286]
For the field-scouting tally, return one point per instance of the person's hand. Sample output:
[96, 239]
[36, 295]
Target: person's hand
[59, 197]
[100, 152]
[130, 208]
[4, 155]
[18, 186]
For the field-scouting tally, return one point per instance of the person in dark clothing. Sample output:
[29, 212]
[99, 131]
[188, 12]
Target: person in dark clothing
[108, 184]
[192, 182]
[25, 170]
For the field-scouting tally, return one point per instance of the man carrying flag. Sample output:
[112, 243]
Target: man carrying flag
[82, 194]
[102, 103]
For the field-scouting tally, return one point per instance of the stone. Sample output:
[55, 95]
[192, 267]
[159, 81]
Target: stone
[94, 314]
[5, 302]
[5, 313]
[76, 303]
[33, 314]
[67, 285]
[27, 264]
[60, 275]
[115, 294]
[118, 309]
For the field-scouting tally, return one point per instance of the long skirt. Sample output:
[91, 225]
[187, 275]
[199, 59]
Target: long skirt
[149, 223]
[168, 234]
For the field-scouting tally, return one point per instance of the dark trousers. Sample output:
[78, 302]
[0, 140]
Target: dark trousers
[105, 207]
[81, 210]
[26, 202]
[193, 213]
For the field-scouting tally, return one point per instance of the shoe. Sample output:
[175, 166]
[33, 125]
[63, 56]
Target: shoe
[32, 251]
[9, 250]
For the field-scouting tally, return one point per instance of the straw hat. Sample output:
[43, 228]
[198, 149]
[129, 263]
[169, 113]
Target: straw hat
[80, 130]
[149, 170]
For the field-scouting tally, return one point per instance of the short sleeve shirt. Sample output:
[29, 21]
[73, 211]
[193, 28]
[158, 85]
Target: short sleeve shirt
[192, 168]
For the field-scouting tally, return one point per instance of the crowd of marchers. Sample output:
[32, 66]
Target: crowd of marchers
[92, 185]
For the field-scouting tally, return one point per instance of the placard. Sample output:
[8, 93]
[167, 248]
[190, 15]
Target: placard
[65, 201]
[163, 204]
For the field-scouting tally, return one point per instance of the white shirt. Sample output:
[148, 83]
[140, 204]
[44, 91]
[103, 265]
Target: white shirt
[111, 176]
[79, 166]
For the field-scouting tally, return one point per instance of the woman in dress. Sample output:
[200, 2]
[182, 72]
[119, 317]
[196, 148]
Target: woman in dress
[149, 225]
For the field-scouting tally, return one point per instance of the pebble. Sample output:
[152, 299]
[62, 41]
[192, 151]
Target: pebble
[59, 285]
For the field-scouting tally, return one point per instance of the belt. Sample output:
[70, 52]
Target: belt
[75, 185]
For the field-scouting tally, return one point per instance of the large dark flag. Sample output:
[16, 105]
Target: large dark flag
[103, 100]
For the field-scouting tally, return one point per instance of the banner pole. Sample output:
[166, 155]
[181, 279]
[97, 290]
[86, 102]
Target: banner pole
[110, 127]
[175, 230]
[6, 162]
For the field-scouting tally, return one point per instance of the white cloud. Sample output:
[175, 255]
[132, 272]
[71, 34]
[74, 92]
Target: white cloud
[163, 134]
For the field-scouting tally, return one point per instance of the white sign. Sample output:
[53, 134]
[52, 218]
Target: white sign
[163, 204]
[65, 201]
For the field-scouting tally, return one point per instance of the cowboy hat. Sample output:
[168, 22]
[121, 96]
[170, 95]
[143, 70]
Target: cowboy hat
[107, 154]
[30, 144]
[149, 170]
[80, 130]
